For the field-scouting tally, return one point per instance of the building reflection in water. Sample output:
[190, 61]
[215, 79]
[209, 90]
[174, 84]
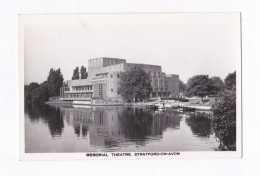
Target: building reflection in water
[113, 126]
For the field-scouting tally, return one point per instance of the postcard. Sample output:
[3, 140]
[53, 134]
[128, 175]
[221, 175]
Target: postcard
[130, 86]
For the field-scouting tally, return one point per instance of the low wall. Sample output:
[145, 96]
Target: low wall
[59, 102]
[82, 102]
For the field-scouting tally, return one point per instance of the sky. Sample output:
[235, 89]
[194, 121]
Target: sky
[186, 44]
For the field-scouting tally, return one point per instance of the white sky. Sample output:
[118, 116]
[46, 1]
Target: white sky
[186, 44]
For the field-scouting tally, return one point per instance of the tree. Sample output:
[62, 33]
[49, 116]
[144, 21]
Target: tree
[75, 74]
[41, 94]
[230, 81]
[135, 83]
[225, 115]
[83, 72]
[28, 91]
[182, 86]
[200, 85]
[55, 81]
[218, 83]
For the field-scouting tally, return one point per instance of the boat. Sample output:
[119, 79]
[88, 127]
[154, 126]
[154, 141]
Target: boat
[152, 106]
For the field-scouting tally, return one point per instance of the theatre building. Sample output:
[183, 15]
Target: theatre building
[104, 78]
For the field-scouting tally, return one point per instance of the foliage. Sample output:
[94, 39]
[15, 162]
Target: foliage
[182, 86]
[200, 85]
[225, 115]
[75, 74]
[176, 99]
[35, 93]
[41, 94]
[135, 83]
[28, 91]
[218, 83]
[55, 81]
[230, 81]
[83, 72]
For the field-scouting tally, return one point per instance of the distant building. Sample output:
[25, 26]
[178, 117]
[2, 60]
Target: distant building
[104, 77]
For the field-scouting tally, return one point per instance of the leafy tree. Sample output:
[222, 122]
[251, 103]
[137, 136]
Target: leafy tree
[35, 93]
[75, 74]
[230, 81]
[218, 83]
[200, 85]
[55, 81]
[28, 91]
[225, 115]
[41, 94]
[182, 86]
[135, 83]
[83, 72]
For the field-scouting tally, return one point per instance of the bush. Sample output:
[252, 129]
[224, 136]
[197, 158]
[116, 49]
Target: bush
[225, 115]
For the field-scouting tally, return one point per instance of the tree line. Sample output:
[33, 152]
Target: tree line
[40, 93]
[202, 86]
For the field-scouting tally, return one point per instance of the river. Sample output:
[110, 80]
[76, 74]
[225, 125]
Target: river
[63, 129]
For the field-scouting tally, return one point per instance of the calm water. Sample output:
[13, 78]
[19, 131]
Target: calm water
[86, 129]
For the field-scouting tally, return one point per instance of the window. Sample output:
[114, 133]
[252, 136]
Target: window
[111, 90]
[100, 91]
[111, 76]
[118, 75]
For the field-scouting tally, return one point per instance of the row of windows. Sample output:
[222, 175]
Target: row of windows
[81, 88]
[153, 73]
[105, 75]
[156, 82]
[156, 89]
[77, 96]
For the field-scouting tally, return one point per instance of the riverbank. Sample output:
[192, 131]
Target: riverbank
[165, 105]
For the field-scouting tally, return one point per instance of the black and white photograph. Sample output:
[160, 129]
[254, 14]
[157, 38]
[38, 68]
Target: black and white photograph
[106, 85]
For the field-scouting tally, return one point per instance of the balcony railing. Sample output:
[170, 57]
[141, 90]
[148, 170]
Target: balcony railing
[78, 91]
[76, 98]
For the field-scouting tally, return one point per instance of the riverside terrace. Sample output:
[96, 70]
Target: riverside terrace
[104, 77]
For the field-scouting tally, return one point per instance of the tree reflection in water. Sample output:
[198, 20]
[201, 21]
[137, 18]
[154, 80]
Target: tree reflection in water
[200, 123]
[47, 114]
[138, 124]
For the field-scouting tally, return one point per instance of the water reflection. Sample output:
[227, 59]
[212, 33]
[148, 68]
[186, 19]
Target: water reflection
[109, 126]
[48, 115]
[200, 123]
[85, 128]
